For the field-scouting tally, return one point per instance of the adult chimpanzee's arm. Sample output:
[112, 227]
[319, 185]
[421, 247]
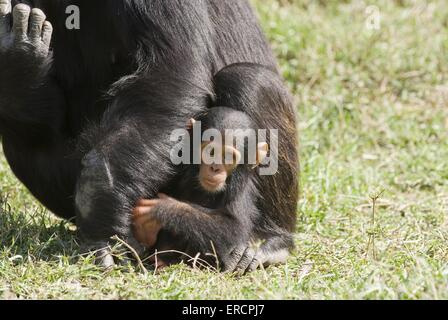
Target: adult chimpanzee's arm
[31, 104]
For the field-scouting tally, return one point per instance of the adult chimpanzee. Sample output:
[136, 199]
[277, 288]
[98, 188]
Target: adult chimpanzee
[86, 125]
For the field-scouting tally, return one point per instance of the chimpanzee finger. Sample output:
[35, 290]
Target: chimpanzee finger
[148, 202]
[163, 196]
[141, 211]
[5, 17]
[21, 14]
[145, 206]
[47, 32]
[257, 262]
[146, 229]
[37, 19]
[232, 260]
[246, 260]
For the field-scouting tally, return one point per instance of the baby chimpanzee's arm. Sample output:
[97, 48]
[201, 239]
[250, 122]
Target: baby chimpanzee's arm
[205, 231]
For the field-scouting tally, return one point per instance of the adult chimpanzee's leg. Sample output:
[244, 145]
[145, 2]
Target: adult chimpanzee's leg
[126, 164]
[130, 156]
[49, 171]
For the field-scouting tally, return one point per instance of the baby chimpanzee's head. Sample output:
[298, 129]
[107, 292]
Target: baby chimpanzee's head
[230, 143]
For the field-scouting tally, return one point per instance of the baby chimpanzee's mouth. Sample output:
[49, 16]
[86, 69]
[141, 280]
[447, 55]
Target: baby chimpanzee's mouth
[211, 185]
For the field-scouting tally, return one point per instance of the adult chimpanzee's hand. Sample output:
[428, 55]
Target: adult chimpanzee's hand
[25, 37]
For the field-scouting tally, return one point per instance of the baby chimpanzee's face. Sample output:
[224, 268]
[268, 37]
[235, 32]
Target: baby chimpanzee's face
[219, 161]
[218, 166]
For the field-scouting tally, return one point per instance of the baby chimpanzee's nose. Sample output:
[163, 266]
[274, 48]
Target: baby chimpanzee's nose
[215, 168]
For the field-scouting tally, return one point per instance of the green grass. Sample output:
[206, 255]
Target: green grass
[373, 109]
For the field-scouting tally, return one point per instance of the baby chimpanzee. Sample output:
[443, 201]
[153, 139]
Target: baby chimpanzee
[215, 196]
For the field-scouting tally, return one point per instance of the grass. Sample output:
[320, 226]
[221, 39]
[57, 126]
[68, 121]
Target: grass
[373, 107]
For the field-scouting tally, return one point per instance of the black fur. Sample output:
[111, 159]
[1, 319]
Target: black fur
[103, 90]
[194, 230]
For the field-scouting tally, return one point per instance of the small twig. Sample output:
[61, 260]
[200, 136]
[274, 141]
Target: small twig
[156, 262]
[134, 253]
[203, 263]
[195, 260]
[215, 254]
[372, 232]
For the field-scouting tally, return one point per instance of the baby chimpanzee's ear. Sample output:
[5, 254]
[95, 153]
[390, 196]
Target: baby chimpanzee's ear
[262, 152]
[190, 124]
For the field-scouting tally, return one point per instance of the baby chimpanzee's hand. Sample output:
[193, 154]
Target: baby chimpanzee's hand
[146, 226]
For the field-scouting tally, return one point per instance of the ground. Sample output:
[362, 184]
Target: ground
[373, 109]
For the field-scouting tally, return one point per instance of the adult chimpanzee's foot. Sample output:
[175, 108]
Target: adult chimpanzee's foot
[25, 31]
[247, 258]
[101, 209]
[102, 253]
[25, 38]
